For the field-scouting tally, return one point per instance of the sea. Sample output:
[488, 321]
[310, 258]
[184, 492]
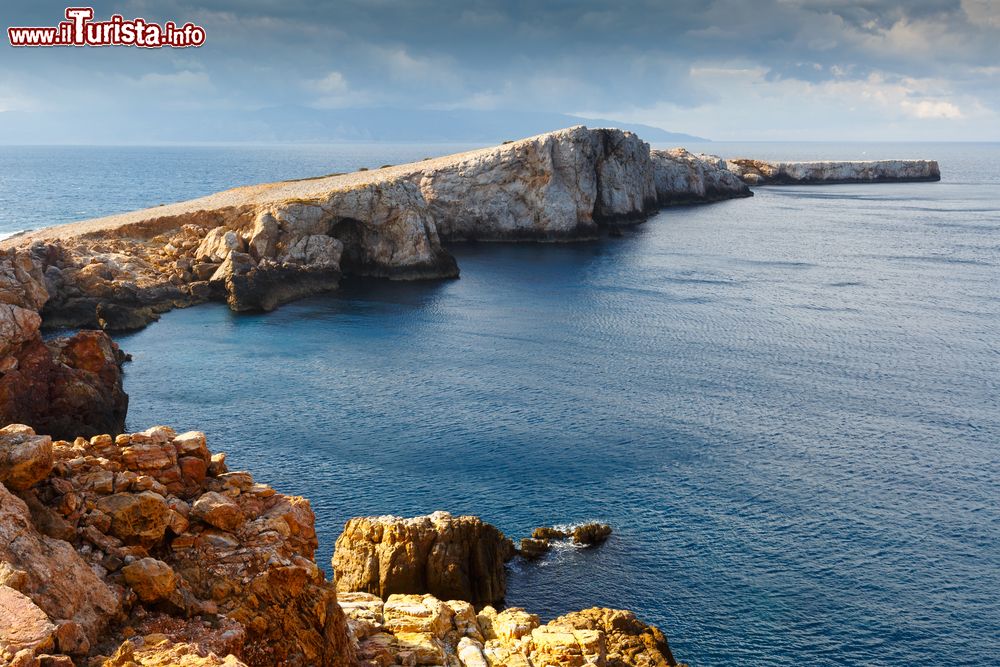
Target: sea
[787, 407]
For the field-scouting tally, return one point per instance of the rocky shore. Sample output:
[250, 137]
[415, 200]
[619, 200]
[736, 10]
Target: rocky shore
[143, 549]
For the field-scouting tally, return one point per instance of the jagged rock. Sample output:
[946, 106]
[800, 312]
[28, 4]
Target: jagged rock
[151, 579]
[23, 626]
[136, 518]
[591, 534]
[683, 177]
[760, 172]
[587, 534]
[51, 572]
[160, 651]
[65, 387]
[449, 557]
[418, 630]
[556, 186]
[130, 517]
[25, 458]
[547, 533]
[217, 510]
[533, 549]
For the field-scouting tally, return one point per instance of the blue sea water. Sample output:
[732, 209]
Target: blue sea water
[786, 406]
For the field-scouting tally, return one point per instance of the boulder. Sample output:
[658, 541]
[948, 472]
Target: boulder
[136, 518]
[218, 510]
[151, 579]
[25, 458]
[449, 557]
[591, 534]
[23, 626]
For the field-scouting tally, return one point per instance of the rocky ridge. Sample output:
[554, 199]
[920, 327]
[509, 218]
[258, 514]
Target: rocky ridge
[760, 172]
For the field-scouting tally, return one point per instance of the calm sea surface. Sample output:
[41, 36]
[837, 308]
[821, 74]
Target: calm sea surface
[788, 406]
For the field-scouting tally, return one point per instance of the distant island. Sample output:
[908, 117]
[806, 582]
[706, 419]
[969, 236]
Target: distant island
[300, 124]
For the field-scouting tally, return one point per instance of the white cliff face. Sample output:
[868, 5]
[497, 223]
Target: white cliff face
[260, 246]
[759, 172]
[556, 186]
[683, 177]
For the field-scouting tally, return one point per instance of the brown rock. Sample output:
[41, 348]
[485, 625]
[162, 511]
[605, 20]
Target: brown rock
[217, 510]
[136, 518]
[449, 557]
[25, 458]
[151, 579]
[591, 534]
[533, 549]
[51, 572]
[23, 626]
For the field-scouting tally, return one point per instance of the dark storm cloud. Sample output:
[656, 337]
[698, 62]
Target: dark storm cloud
[926, 57]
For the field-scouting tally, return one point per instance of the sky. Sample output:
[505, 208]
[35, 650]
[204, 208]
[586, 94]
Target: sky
[724, 69]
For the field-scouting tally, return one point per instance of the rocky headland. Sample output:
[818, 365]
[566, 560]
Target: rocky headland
[143, 549]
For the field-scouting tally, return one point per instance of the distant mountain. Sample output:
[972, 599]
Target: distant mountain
[295, 124]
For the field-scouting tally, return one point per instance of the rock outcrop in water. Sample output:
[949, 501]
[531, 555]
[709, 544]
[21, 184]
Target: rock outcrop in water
[260, 246]
[760, 172]
[450, 557]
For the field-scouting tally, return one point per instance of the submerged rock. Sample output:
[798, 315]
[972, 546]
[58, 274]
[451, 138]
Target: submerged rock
[450, 557]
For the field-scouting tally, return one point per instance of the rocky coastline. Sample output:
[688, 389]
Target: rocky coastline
[144, 549]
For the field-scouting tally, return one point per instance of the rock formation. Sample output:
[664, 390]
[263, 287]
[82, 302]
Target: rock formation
[148, 538]
[423, 630]
[260, 246]
[451, 557]
[66, 386]
[759, 172]
[682, 177]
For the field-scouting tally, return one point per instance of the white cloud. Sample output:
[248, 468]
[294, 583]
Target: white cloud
[333, 83]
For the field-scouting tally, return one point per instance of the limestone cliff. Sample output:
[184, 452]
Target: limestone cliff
[259, 246]
[760, 172]
[682, 177]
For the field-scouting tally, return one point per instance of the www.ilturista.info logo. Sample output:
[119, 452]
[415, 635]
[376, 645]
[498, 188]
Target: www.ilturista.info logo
[79, 29]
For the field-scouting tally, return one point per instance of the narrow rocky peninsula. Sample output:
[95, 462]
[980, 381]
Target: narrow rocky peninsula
[759, 172]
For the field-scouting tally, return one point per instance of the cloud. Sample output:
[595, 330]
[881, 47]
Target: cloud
[881, 63]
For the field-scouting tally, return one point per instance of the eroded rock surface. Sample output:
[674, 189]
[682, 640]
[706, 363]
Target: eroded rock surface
[682, 177]
[760, 172]
[148, 535]
[451, 557]
[423, 630]
[260, 246]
